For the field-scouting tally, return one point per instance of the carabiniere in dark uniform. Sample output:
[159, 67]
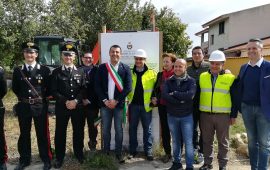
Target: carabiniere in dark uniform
[3, 146]
[32, 104]
[67, 85]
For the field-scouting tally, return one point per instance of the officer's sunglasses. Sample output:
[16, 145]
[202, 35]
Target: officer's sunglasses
[68, 53]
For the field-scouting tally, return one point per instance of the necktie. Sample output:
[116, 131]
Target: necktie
[69, 70]
[30, 68]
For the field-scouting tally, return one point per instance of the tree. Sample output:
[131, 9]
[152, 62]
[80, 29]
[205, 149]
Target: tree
[175, 39]
[20, 23]
[117, 15]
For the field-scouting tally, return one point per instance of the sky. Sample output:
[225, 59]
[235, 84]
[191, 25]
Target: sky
[197, 12]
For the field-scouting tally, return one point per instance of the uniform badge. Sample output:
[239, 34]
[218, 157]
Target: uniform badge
[39, 81]
[30, 44]
[68, 46]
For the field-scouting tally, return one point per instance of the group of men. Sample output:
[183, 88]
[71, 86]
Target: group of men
[80, 94]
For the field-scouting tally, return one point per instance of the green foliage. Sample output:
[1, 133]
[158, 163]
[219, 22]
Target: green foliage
[21, 20]
[101, 161]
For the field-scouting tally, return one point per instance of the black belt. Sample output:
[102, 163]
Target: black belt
[31, 101]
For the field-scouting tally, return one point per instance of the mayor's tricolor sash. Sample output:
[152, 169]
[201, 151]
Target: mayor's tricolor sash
[119, 85]
[115, 76]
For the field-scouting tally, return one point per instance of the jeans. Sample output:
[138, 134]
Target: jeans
[137, 113]
[184, 126]
[257, 127]
[106, 119]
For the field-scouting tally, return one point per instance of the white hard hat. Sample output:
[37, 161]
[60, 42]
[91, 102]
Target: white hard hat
[140, 53]
[217, 56]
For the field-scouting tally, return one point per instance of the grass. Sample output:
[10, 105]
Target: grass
[101, 161]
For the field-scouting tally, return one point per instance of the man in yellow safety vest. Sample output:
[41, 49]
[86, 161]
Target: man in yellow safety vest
[217, 111]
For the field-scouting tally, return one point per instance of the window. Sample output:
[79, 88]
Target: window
[212, 40]
[221, 27]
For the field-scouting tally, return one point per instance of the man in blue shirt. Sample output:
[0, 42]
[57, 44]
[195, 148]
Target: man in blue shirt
[254, 104]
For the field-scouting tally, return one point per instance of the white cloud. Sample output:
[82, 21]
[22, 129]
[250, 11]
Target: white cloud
[197, 12]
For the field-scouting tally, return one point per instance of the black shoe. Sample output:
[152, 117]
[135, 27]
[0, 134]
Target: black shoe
[206, 167]
[92, 146]
[58, 164]
[189, 168]
[3, 166]
[120, 158]
[47, 166]
[176, 166]
[166, 158]
[222, 168]
[21, 166]
[150, 157]
[80, 160]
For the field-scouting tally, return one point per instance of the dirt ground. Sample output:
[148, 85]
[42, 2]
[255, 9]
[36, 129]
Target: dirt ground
[12, 135]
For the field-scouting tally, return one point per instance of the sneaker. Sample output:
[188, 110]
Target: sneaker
[132, 155]
[206, 167]
[166, 158]
[198, 158]
[176, 166]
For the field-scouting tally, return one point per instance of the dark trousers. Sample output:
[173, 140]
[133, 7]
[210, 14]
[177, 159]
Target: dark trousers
[43, 137]
[215, 124]
[3, 146]
[197, 137]
[165, 131]
[91, 114]
[62, 117]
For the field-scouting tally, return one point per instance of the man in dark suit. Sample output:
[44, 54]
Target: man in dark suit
[90, 100]
[3, 147]
[67, 86]
[30, 84]
[254, 104]
[113, 83]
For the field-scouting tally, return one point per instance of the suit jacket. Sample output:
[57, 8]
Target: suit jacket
[264, 87]
[101, 84]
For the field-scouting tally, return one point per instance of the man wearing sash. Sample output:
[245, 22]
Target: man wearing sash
[30, 84]
[113, 83]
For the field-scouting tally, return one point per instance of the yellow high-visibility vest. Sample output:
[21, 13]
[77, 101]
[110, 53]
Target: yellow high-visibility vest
[148, 82]
[218, 99]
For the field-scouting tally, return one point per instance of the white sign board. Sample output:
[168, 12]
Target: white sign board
[129, 43]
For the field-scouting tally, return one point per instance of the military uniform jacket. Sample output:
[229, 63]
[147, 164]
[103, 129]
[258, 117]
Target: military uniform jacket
[3, 86]
[39, 78]
[67, 86]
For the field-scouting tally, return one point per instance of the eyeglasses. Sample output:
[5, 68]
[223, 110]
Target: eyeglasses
[88, 58]
[67, 54]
